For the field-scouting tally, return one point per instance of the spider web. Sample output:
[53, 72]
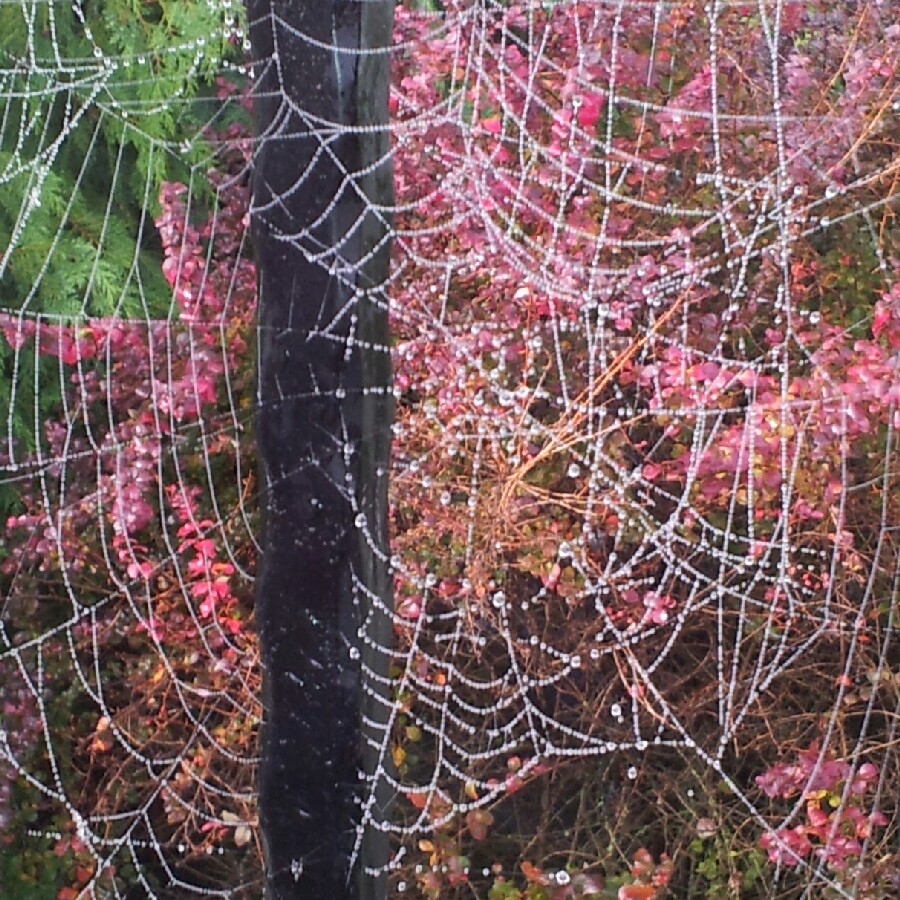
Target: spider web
[643, 497]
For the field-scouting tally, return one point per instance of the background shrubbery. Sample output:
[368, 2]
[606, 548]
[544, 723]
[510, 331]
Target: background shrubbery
[647, 416]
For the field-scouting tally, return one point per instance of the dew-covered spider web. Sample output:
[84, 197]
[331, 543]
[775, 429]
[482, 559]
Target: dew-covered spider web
[644, 508]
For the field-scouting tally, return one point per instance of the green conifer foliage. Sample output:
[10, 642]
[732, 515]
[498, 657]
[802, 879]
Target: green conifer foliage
[106, 100]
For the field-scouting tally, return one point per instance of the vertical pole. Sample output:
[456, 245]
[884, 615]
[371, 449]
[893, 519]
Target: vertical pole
[321, 184]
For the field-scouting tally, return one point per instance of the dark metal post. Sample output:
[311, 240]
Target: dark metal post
[322, 181]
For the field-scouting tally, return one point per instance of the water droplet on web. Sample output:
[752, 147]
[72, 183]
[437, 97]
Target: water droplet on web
[354, 653]
[632, 773]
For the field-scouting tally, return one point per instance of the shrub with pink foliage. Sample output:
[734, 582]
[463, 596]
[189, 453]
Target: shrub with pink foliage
[839, 817]
[121, 552]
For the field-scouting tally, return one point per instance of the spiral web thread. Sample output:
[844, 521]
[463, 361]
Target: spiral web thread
[644, 508]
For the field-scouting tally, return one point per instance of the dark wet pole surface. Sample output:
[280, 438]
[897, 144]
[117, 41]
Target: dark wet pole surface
[323, 436]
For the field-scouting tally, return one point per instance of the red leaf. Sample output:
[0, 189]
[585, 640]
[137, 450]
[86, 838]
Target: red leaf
[589, 111]
[636, 892]
[533, 874]
[418, 800]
